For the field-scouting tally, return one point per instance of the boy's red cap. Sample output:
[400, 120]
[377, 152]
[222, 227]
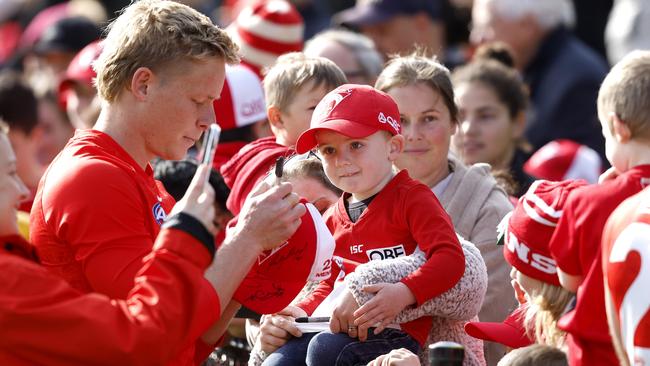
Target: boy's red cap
[511, 332]
[528, 229]
[352, 110]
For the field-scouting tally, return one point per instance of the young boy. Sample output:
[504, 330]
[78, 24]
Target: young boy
[381, 215]
[623, 106]
[293, 87]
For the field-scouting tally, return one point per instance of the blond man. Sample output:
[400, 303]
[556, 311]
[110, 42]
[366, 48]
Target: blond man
[99, 209]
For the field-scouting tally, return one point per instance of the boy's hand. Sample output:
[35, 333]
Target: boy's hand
[380, 311]
[342, 320]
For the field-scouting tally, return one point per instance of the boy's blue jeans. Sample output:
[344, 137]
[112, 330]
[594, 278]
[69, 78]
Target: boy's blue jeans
[329, 349]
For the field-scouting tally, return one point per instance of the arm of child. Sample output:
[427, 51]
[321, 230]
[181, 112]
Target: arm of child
[431, 228]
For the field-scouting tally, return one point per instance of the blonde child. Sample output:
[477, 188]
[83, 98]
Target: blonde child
[292, 87]
[623, 106]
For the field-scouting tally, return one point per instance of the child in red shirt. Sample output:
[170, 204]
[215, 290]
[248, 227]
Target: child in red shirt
[576, 245]
[382, 215]
[626, 252]
[292, 87]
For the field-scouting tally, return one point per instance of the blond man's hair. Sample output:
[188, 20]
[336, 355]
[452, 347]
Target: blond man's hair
[156, 34]
[542, 313]
[292, 71]
[626, 92]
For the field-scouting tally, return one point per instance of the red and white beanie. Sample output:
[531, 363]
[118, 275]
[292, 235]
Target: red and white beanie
[242, 99]
[265, 30]
[278, 275]
[565, 159]
[527, 230]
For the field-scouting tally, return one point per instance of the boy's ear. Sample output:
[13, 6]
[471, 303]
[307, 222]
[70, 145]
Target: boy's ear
[274, 115]
[396, 146]
[621, 131]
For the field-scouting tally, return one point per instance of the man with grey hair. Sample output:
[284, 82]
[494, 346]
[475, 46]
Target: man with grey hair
[353, 52]
[563, 73]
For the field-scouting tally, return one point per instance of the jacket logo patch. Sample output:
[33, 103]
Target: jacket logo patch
[159, 214]
[386, 253]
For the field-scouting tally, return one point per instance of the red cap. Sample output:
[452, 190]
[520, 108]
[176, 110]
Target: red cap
[565, 159]
[278, 276]
[528, 229]
[352, 110]
[511, 332]
[80, 70]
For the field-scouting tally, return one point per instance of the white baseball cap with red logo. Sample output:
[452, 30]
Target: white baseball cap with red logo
[242, 99]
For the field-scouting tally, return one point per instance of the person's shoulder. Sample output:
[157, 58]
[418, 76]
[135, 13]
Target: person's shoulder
[82, 176]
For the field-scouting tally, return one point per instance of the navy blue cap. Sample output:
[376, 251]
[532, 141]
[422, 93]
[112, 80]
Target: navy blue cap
[68, 35]
[368, 12]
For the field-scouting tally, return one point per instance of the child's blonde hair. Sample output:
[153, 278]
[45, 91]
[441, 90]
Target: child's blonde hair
[417, 68]
[546, 306]
[155, 34]
[626, 92]
[292, 71]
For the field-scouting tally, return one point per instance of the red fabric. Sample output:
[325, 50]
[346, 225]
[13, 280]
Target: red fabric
[354, 111]
[576, 247]
[96, 215]
[410, 216]
[278, 275]
[46, 322]
[529, 228]
[264, 44]
[626, 251]
[225, 151]
[511, 332]
[250, 165]
[9, 35]
[26, 205]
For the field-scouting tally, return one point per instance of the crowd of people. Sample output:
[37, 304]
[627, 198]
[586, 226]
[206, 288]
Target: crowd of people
[382, 181]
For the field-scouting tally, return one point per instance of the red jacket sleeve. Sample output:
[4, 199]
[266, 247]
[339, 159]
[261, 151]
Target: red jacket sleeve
[432, 230]
[45, 321]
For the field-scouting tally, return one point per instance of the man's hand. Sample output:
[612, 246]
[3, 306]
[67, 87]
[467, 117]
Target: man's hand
[396, 357]
[277, 329]
[270, 215]
[342, 320]
[198, 201]
[380, 311]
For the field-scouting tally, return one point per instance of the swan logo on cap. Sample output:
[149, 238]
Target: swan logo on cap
[335, 100]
